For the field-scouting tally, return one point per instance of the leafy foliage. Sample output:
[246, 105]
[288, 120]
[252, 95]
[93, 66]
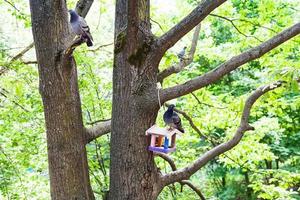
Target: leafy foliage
[265, 165]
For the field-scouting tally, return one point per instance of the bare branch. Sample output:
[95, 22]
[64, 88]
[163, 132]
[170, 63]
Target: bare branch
[230, 65]
[13, 101]
[97, 121]
[167, 158]
[21, 53]
[83, 7]
[183, 62]
[98, 130]
[187, 117]
[186, 172]
[190, 184]
[173, 167]
[30, 62]
[12, 5]
[209, 105]
[236, 28]
[161, 28]
[187, 24]
[100, 46]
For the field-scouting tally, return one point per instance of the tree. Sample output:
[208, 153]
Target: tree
[137, 54]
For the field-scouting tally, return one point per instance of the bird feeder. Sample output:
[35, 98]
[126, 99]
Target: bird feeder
[162, 139]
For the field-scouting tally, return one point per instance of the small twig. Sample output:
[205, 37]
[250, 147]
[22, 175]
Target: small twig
[101, 46]
[19, 55]
[190, 184]
[236, 28]
[173, 167]
[255, 24]
[30, 62]
[161, 28]
[199, 102]
[11, 4]
[186, 116]
[13, 101]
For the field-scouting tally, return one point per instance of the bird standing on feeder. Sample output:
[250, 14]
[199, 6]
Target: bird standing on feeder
[80, 28]
[181, 54]
[172, 119]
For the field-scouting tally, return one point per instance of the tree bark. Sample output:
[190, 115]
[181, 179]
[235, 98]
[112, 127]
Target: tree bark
[68, 167]
[133, 174]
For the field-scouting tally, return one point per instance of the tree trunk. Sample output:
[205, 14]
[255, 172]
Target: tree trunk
[68, 168]
[133, 174]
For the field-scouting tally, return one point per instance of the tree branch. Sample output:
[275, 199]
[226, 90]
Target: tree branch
[236, 28]
[186, 172]
[187, 117]
[21, 53]
[230, 65]
[183, 62]
[193, 187]
[98, 130]
[173, 167]
[16, 57]
[75, 43]
[12, 5]
[83, 7]
[187, 24]
[100, 46]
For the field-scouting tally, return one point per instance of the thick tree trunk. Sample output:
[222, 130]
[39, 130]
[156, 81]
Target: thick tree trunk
[68, 168]
[133, 174]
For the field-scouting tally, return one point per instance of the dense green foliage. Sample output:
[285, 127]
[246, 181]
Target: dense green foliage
[266, 163]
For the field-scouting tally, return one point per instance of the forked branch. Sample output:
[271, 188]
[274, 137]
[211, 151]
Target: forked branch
[185, 173]
[183, 182]
[183, 62]
[230, 65]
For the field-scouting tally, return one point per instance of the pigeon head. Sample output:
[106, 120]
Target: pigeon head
[171, 107]
[74, 15]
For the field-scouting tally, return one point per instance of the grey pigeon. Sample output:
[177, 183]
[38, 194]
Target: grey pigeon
[80, 28]
[181, 54]
[172, 119]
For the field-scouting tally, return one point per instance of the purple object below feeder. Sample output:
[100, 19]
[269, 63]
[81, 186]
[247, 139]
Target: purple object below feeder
[161, 149]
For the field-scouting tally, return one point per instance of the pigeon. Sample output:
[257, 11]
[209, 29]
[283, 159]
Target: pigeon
[172, 119]
[80, 28]
[181, 54]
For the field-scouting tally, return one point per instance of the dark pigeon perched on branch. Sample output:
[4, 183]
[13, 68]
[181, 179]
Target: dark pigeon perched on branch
[172, 119]
[181, 54]
[80, 28]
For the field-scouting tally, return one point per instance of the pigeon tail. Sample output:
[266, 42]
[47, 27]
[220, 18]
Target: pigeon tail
[180, 129]
[89, 42]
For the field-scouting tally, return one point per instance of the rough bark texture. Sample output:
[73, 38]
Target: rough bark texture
[68, 168]
[133, 174]
[230, 65]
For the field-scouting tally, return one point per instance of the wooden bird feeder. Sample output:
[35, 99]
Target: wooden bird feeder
[160, 139]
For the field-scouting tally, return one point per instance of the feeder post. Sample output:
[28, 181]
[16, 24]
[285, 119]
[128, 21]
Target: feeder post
[152, 143]
[166, 144]
[173, 140]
